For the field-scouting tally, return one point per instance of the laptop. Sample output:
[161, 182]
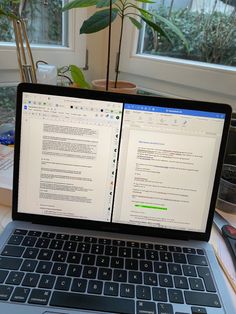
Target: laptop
[113, 202]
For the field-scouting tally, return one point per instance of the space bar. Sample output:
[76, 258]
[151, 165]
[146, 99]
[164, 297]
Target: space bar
[92, 302]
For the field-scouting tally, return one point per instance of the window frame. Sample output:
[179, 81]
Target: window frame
[176, 77]
[75, 53]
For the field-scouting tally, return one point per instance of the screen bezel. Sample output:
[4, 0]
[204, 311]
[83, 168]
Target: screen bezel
[138, 99]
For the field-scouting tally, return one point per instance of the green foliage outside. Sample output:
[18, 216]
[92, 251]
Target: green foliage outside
[211, 37]
[7, 104]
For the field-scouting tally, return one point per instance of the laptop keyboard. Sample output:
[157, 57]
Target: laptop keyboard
[81, 272]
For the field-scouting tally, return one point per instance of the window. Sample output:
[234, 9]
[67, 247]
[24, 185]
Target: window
[209, 27]
[54, 36]
[156, 65]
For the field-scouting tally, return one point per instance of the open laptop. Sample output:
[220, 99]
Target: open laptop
[113, 202]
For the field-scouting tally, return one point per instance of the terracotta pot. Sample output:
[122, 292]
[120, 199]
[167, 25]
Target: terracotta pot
[122, 86]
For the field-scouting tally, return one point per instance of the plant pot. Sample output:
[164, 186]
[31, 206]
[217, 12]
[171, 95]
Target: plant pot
[122, 86]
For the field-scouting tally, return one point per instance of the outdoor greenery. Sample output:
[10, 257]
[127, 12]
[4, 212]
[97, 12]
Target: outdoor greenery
[211, 37]
[44, 21]
[7, 104]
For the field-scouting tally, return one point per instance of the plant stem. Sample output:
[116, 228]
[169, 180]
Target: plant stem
[119, 50]
[109, 46]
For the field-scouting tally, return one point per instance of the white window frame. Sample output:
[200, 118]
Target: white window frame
[75, 53]
[176, 77]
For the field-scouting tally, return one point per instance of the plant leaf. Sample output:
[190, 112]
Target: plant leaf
[173, 28]
[135, 22]
[7, 14]
[98, 21]
[145, 1]
[104, 3]
[79, 4]
[78, 76]
[155, 27]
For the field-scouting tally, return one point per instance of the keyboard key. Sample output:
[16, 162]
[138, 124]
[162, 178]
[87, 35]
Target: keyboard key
[174, 269]
[104, 241]
[14, 251]
[160, 267]
[44, 267]
[89, 272]
[31, 280]
[165, 281]
[165, 308]
[97, 249]
[198, 310]
[189, 271]
[127, 290]
[189, 250]
[90, 240]
[118, 242]
[95, 287]
[110, 250]
[146, 266]
[92, 302]
[166, 257]
[33, 233]
[175, 296]
[159, 294]
[120, 275]
[42, 243]
[59, 256]
[63, 283]
[20, 294]
[45, 255]
[62, 236]
[3, 275]
[143, 292]
[14, 278]
[88, 259]
[70, 246]
[56, 244]
[31, 253]
[5, 292]
[79, 285]
[29, 265]
[138, 253]
[197, 260]
[124, 252]
[147, 246]
[145, 307]
[49, 235]
[15, 239]
[160, 247]
[175, 249]
[104, 274]
[117, 262]
[202, 299]
[200, 252]
[10, 263]
[39, 296]
[84, 247]
[132, 244]
[135, 277]
[74, 270]
[196, 284]
[181, 282]
[103, 261]
[204, 273]
[29, 241]
[111, 288]
[150, 279]
[20, 231]
[76, 238]
[152, 255]
[179, 258]
[74, 258]
[59, 269]
[131, 264]
[47, 281]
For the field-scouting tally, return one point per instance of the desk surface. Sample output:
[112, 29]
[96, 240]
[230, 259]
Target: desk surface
[5, 218]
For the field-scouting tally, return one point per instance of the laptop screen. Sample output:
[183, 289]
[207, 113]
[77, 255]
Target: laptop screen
[117, 162]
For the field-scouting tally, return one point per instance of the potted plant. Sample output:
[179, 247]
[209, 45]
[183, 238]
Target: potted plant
[108, 11]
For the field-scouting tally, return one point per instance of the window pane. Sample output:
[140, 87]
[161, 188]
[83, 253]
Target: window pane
[208, 25]
[46, 25]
